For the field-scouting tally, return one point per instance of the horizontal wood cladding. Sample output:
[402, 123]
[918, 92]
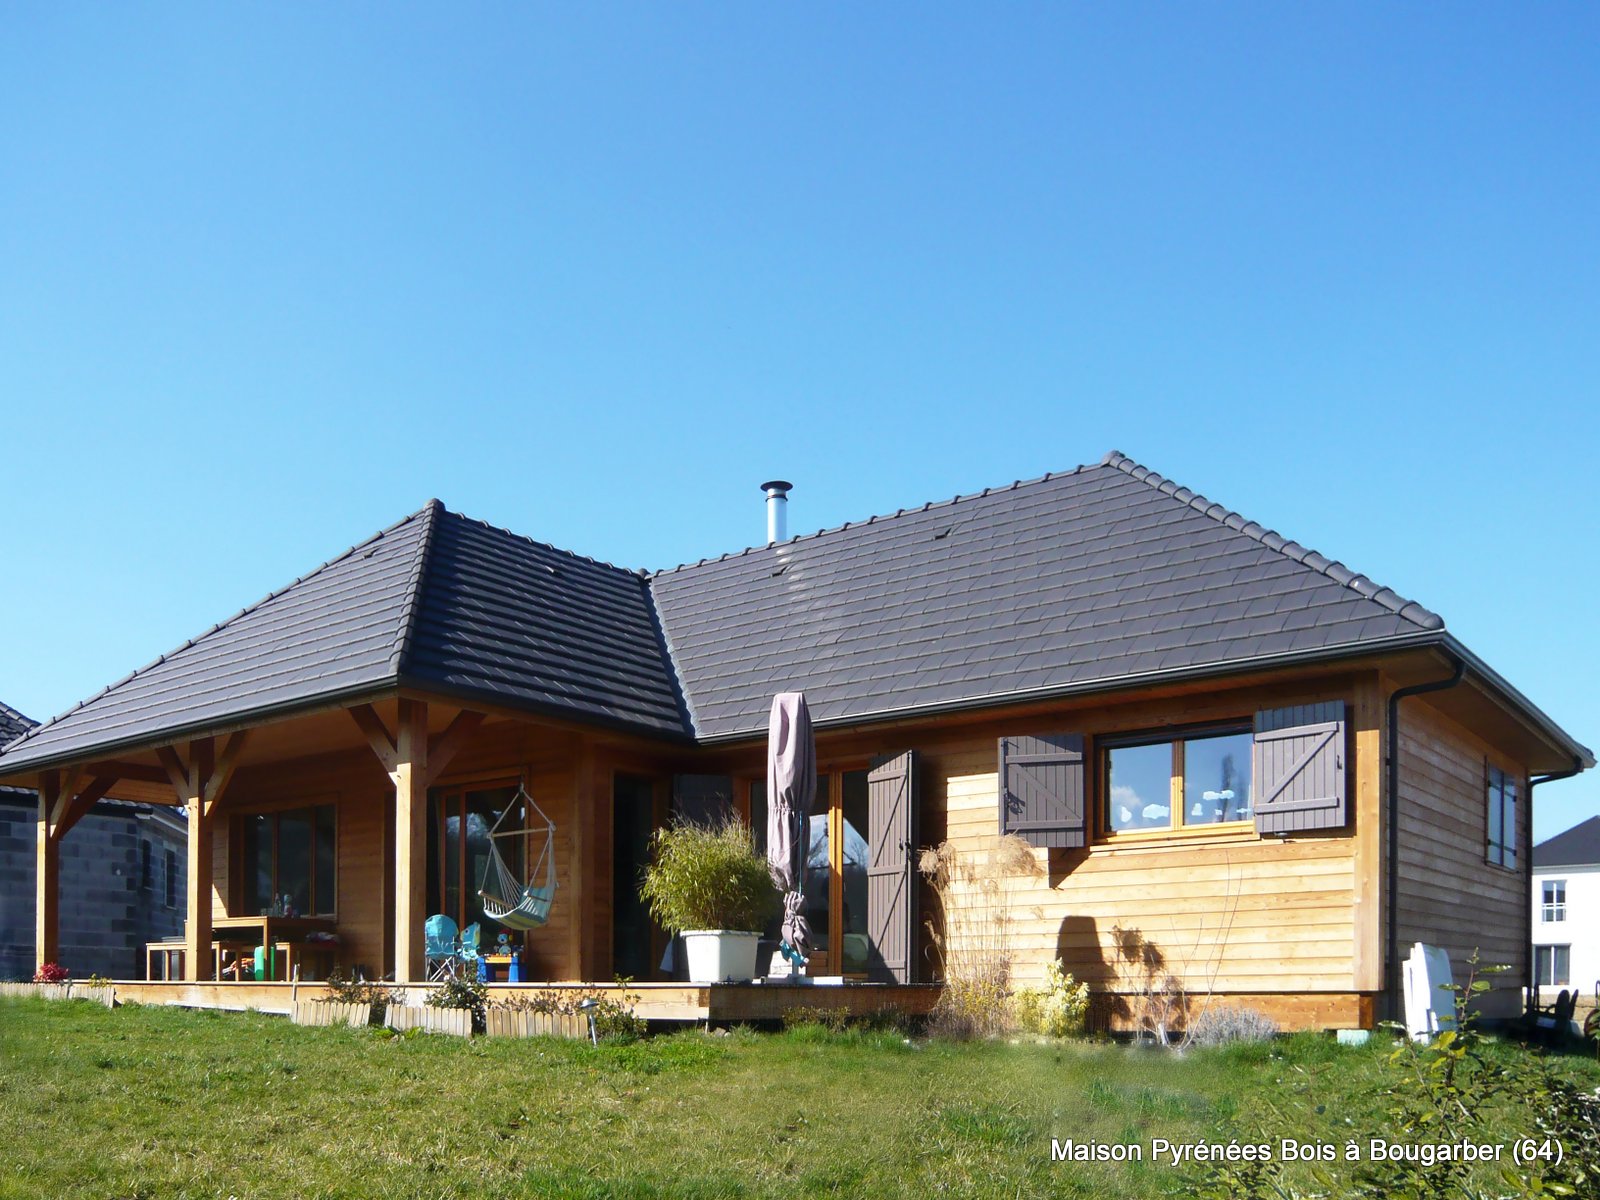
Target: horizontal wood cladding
[1244, 915]
[1449, 895]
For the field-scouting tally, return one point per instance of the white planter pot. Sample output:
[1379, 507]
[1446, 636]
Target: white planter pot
[720, 955]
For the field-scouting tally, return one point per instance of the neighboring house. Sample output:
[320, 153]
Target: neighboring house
[121, 880]
[1566, 911]
[1185, 715]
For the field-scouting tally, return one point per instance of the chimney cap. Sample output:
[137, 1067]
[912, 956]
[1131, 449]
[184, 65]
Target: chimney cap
[777, 485]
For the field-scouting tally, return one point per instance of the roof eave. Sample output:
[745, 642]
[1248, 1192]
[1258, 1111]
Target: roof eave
[1422, 639]
[22, 761]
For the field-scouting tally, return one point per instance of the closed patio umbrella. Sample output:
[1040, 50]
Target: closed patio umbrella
[791, 784]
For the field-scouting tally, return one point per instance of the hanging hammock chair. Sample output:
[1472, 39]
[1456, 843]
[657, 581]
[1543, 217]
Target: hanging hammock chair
[506, 899]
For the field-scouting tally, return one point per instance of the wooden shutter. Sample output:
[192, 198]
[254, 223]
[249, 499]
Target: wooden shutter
[1041, 789]
[702, 799]
[1298, 776]
[891, 870]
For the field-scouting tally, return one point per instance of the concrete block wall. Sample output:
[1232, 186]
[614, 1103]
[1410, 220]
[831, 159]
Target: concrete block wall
[110, 905]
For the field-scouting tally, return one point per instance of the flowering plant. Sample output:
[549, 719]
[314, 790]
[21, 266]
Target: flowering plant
[51, 973]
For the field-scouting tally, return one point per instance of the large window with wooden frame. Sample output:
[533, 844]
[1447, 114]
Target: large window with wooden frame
[290, 862]
[1161, 782]
[459, 821]
[1501, 818]
[836, 869]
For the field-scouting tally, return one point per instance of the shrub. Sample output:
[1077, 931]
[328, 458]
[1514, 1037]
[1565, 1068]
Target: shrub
[462, 993]
[1059, 1009]
[52, 973]
[614, 1017]
[974, 941]
[708, 877]
[358, 991]
[1224, 1023]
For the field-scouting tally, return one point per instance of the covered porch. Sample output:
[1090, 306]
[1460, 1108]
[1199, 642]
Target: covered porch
[328, 838]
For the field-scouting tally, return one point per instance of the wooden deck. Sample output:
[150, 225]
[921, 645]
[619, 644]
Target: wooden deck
[715, 1003]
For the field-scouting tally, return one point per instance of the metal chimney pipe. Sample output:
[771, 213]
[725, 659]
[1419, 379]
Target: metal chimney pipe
[777, 510]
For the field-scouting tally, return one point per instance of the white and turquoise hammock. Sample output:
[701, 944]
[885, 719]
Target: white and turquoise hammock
[510, 901]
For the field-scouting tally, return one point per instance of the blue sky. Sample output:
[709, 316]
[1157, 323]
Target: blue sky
[271, 277]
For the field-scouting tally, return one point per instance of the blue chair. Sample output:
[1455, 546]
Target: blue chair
[441, 947]
[468, 952]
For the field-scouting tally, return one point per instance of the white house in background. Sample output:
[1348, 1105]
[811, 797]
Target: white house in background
[1566, 911]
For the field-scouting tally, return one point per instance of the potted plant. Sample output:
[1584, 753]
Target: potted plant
[708, 884]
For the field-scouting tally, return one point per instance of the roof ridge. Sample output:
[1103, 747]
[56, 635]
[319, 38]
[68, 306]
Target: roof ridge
[554, 549]
[409, 612]
[44, 726]
[1360, 584]
[929, 506]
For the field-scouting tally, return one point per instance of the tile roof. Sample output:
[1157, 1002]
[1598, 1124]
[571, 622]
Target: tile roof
[13, 724]
[1107, 572]
[1102, 576]
[1577, 847]
[436, 601]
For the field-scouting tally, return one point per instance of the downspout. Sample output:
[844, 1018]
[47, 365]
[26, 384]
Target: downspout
[1529, 982]
[1393, 816]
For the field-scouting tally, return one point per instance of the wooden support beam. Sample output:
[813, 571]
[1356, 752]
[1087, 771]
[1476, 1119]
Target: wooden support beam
[47, 877]
[81, 805]
[578, 865]
[446, 745]
[410, 777]
[412, 760]
[1368, 736]
[371, 724]
[221, 773]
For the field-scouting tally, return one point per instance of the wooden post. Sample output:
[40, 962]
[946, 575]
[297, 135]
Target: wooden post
[197, 925]
[578, 872]
[1368, 725]
[413, 761]
[410, 777]
[47, 880]
[199, 779]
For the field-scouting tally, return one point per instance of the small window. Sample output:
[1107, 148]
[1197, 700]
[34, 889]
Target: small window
[1555, 900]
[1552, 965]
[1175, 783]
[147, 867]
[1502, 819]
[172, 878]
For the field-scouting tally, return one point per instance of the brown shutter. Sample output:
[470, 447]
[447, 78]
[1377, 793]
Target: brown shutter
[891, 878]
[1298, 776]
[702, 799]
[1041, 789]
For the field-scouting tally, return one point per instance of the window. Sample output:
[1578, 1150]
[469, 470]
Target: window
[836, 869]
[1552, 965]
[1502, 819]
[1173, 783]
[146, 867]
[289, 860]
[458, 852]
[172, 878]
[1555, 900]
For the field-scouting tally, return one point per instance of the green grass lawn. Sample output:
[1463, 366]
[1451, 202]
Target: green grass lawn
[154, 1102]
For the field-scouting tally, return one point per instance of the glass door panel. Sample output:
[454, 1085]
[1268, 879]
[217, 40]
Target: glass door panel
[852, 886]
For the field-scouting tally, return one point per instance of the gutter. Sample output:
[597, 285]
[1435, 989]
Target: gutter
[1392, 954]
[1529, 982]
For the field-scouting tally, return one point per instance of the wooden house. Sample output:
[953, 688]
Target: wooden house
[1235, 761]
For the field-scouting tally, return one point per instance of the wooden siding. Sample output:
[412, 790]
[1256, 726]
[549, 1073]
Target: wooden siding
[1237, 913]
[1449, 895]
